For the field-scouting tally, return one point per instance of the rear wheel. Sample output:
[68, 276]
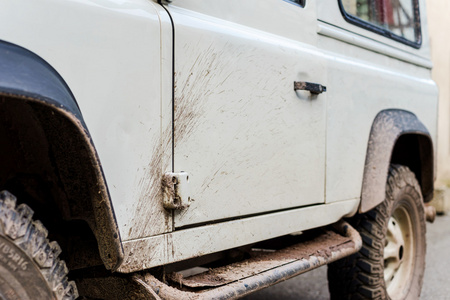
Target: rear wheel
[29, 263]
[391, 263]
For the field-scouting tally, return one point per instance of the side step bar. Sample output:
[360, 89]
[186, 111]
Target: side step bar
[260, 271]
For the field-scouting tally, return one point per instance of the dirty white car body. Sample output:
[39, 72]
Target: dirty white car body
[207, 88]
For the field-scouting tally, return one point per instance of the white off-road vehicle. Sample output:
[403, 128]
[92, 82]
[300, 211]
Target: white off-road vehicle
[192, 149]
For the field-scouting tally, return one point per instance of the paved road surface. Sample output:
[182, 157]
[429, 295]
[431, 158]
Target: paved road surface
[313, 285]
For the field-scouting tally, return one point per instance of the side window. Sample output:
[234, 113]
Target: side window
[397, 19]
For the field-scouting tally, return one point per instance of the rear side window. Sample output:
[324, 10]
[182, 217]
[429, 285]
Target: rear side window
[396, 19]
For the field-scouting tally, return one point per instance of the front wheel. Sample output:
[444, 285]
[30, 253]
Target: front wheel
[391, 263]
[29, 264]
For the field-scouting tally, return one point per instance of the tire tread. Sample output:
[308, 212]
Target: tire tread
[17, 225]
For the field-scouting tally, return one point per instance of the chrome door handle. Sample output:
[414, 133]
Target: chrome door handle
[313, 88]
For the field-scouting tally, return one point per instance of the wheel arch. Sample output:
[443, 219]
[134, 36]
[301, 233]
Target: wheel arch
[397, 136]
[46, 137]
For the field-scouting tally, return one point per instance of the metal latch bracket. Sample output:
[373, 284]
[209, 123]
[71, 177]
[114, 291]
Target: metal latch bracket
[175, 188]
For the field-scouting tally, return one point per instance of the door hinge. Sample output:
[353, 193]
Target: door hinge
[175, 187]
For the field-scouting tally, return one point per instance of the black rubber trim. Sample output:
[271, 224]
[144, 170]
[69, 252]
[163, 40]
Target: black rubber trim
[26, 75]
[388, 126]
[385, 32]
[173, 83]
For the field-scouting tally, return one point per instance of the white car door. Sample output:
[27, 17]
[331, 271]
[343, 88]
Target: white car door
[249, 142]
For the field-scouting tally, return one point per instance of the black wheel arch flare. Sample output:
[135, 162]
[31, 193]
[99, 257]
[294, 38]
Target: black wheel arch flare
[27, 79]
[397, 136]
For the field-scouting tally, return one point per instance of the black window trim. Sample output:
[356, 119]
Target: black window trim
[386, 32]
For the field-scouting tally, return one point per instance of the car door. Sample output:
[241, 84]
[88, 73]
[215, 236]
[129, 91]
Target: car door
[249, 142]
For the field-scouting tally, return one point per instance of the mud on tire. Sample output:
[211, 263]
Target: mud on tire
[29, 263]
[391, 263]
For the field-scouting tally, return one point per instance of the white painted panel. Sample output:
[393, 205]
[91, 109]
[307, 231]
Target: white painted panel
[361, 83]
[369, 44]
[184, 244]
[250, 143]
[109, 53]
[278, 17]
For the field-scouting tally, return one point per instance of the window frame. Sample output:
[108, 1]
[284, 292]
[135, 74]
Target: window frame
[384, 31]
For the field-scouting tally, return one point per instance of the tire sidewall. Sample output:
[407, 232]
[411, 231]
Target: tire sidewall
[19, 274]
[361, 275]
[409, 198]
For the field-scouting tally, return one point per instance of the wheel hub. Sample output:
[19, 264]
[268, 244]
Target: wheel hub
[398, 252]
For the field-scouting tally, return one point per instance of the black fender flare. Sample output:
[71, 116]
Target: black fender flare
[24, 76]
[388, 128]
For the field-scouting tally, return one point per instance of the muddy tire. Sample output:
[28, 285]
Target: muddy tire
[391, 263]
[29, 263]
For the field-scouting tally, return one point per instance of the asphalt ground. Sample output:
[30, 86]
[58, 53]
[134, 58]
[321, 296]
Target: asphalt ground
[314, 285]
